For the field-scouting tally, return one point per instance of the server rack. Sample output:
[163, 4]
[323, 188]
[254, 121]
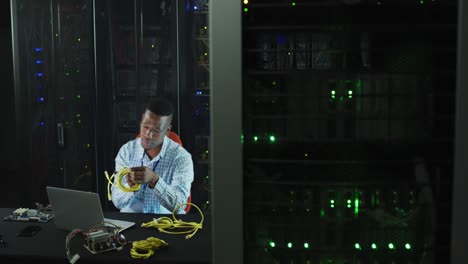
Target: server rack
[345, 104]
[53, 71]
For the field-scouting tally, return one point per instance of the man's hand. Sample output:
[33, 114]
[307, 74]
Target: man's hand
[130, 180]
[142, 174]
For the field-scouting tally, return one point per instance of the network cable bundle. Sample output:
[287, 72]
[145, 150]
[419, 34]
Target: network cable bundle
[102, 238]
[161, 223]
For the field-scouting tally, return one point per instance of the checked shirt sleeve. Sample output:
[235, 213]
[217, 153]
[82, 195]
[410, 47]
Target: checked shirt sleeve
[176, 192]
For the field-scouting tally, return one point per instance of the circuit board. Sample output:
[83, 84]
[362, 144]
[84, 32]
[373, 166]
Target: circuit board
[30, 215]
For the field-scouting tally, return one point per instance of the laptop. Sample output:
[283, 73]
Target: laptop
[75, 209]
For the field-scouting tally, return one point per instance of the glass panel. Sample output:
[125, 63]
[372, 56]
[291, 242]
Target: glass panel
[348, 130]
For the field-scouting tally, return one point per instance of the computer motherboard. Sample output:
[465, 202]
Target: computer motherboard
[41, 214]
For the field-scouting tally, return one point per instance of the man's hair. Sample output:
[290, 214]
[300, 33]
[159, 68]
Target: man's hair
[160, 106]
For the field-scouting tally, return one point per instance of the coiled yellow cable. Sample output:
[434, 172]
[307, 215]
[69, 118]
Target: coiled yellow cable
[165, 222]
[146, 248]
[119, 174]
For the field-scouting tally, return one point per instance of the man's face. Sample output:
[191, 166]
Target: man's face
[153, 128]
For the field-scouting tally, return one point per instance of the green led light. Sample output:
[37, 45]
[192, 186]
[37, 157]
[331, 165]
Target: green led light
[306, 245]
[332, 201]
[356, 206]
[272, 244]
[290, 245]
[350, 96]
[421, 2]
[391, 246]
[78, 96]
[333, 92]
[273, 83]
[152, 46]
[246, 9]
[348, 201]
[255, 138]
[293, 3]
[350, 92]
[348, 205]
[408, 246]
[272, 139]
[357, 246]
[374, 246]
[79, 39]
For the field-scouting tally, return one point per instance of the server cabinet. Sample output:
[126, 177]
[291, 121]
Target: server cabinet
[54, 98]
[348, 130]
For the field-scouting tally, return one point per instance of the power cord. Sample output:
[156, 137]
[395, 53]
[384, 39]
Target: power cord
[164, 223]
[73, 258]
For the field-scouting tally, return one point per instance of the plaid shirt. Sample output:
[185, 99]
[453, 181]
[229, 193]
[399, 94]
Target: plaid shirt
[175, 169]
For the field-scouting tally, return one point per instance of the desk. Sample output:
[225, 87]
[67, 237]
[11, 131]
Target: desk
[49, 244]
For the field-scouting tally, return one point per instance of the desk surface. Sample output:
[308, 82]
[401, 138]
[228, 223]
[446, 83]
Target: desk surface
[49, 243]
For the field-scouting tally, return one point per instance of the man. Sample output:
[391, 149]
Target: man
[423, 218]
[162, 167]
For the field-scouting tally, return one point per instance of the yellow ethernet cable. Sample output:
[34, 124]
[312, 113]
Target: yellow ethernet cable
[119, 174]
